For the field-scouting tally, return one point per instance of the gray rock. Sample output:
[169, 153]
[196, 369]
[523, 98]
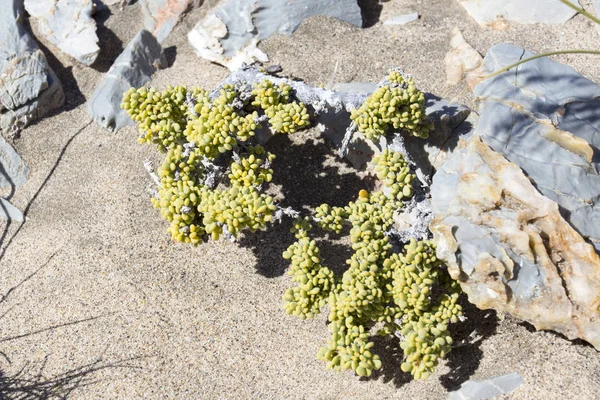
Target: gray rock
[161, 16]
[544, 118]
[28, 87]
[133, 68]
[355, 87]
[401, 19]
[13, 171]
[228, 35]
[521, 11]
[68, 24]
[10, 212]
[509, 247]
[480, 390]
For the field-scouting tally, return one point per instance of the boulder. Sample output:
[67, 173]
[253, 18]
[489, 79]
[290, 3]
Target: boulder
[28, 87]
[133, 68]
[509, 246]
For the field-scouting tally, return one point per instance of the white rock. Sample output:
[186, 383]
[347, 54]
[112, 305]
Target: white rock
[402, 19]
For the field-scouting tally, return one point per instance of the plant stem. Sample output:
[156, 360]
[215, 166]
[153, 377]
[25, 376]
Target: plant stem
[581, 11]
[551, 53]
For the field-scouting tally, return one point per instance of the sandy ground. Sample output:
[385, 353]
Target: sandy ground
[98, 290]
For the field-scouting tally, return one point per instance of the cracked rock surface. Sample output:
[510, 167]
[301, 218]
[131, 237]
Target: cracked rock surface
[133, 68]
[544, 118]
[28, 87]
[510, 248]
[69, 25]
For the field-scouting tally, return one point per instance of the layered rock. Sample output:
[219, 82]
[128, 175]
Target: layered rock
[133, 68]
[68, 24]
[229, 34]
[28, 87]
[543, 116]
[509, 246]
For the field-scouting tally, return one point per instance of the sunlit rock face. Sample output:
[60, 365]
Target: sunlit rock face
[509, 246]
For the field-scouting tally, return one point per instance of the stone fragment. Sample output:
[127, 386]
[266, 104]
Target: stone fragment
[9, 212]
[543, 116]
[462, 60]
[487, 389]
[355, 87]
[402, 19]
[13, 171]
[510, 248]
[161, 16]
[133, 68]
[28, 87]
[228, 35]
[490, 12]
[68, 24]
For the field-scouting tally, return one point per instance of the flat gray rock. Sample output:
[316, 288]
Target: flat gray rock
[28, 87]
[68, 24]
[161, 16]
[487, 389]
[133, 68]
[544, 118]
[521, 11]
[228, 34]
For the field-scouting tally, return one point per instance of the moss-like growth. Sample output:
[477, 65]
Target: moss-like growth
[410, 293]
[398, 105]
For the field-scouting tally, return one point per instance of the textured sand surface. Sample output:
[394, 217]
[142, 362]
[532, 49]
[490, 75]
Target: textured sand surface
[93, 277]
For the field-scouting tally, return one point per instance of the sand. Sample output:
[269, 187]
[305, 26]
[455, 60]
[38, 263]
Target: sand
[99, 292]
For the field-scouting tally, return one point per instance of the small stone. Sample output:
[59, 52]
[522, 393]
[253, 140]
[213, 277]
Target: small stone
[9, 212]
[402, 19]
[462, 59]
[133, 68]
[487, 389]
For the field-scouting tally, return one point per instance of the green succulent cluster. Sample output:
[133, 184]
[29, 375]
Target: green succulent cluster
[285, 116]
[161, 116]
[398, 105]
[409, 294]
[198, 132]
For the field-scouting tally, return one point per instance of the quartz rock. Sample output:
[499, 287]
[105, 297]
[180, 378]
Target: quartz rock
[462, 60]
[9, 212]
[68, 24]
[228, 35]
[544, 118]
[509, 246]
[161, 16]
[133, 68]
[488, 12]
[28, 87]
